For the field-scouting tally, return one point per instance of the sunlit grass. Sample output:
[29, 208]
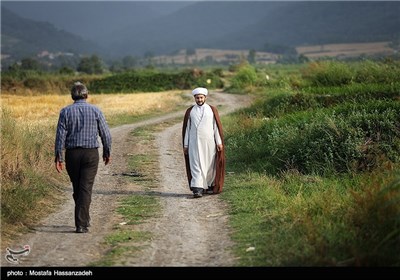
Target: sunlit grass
[137, 104]
[45, 109]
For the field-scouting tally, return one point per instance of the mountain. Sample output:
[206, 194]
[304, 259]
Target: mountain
[314, 23]
[93, 20]
[194, 26]
[163, 27]
[22, 37]
[252, 25]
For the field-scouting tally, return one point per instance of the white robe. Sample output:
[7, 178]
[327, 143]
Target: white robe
[201, 137]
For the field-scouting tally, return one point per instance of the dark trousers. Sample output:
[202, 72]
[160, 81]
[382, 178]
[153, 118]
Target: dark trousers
[82, 166]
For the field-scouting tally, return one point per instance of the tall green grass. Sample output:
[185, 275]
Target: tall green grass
[154, 81]
[311, 167]
[334, 73]
[347, 138]
[298, 220]
[281, 102]
[26, 173]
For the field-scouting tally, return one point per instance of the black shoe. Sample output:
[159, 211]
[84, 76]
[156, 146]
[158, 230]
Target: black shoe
[197, 194]
[210, 190]
[81, 230]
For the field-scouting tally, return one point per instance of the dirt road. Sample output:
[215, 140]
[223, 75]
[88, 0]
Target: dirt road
[189, 232]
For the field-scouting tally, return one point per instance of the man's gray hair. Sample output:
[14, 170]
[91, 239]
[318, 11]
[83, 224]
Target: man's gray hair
[79, 91]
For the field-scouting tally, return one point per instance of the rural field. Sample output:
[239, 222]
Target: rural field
[313, 52]
[346, 50]
[169, 186]
[313, 154]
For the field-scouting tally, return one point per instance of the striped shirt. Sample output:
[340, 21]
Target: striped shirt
[79, 126]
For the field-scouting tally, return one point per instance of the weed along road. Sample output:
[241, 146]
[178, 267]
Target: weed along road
[180, 235]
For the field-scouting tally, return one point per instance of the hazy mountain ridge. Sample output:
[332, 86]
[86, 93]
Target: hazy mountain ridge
[195, 26]
[24, 37]
[246, 25]
[92, 19]
[137, 28]
[327, 22]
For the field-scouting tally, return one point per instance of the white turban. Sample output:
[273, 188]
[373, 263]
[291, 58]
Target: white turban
[200, 90]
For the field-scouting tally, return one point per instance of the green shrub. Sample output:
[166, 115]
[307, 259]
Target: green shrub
[324, 97]
[377, 72]
[153, 81]
[328, 73]
[334, 73]
[349, 138]
[245, 77]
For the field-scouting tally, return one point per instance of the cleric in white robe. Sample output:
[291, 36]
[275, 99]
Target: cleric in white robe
[203, 145]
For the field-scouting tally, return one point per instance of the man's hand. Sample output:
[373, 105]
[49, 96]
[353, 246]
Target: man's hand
[106, 160]
[220, 147]
[59, 166]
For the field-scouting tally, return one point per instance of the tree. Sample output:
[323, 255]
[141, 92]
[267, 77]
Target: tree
[66, 70]
[303, 59]
[252, 56]
[30, 64]
[116, 66]
[129, 62]
[91, 65]
[149, 57]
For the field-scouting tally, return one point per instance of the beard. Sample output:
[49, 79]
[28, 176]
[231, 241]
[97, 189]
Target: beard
[200, 103]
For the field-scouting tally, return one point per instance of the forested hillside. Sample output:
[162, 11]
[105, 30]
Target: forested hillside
[23, 37]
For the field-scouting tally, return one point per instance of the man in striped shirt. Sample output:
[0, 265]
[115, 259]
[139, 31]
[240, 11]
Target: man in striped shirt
[79, 126]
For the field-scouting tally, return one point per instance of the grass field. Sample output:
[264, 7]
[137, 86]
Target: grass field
[312, 165]
[40, 109]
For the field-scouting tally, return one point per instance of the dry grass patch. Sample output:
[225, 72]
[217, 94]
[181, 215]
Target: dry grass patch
[138, 103]
[45, 108]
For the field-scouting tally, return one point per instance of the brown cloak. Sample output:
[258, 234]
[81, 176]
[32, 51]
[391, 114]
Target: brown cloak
[220, 159]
